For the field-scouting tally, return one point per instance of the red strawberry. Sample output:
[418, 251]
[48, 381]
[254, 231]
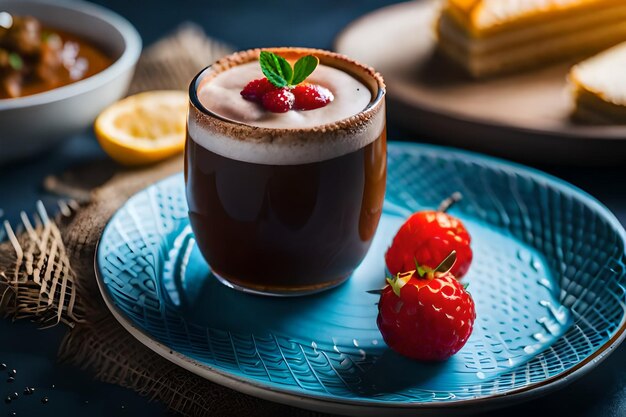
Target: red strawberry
[256, 89]
[426, 238]
[311, 96]
[426, 319]
[278, 101]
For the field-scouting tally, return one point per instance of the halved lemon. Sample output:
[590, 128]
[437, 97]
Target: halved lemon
[143, 128]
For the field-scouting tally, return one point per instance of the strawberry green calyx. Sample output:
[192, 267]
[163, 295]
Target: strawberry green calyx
[423, 271]
[447, 264]
[444, 267]
[396, 283]
[280, 73]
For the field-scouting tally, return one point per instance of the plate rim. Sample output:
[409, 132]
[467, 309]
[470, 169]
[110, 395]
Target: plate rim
[346, 406]
[611, 133]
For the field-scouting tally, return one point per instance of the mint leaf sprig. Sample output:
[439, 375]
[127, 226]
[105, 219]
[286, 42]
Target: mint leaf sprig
[279, 72]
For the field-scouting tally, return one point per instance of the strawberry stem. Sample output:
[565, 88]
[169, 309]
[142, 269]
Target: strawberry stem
[450, 201]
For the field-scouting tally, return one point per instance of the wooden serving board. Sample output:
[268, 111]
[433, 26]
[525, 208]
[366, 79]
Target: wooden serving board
[523, 116]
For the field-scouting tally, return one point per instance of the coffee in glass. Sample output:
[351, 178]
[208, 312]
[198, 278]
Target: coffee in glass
[285, 203]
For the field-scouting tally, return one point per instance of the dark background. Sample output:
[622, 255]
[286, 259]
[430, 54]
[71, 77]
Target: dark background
[242, 24]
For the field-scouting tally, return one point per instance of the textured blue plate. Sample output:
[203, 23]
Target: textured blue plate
[548, 279]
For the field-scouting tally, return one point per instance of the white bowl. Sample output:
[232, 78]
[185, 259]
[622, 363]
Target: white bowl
[30, 124]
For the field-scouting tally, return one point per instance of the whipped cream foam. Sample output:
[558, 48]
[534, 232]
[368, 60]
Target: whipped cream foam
[350, 122]
[221, 95]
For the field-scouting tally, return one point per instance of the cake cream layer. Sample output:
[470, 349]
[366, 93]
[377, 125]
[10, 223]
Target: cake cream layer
[533, 53]
[606, 19]
[599, 84]
[539, 42]
[483, 18]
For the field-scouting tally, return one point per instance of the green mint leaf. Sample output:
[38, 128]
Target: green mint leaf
[15, 61]
[303, 68]
[285, 68]
[276, 69]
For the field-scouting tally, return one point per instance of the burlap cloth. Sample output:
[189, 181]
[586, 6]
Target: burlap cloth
[47, 265]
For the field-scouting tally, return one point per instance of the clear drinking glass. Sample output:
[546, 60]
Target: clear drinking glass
[285, 211]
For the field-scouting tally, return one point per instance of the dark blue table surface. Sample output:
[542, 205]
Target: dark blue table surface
[243, 24]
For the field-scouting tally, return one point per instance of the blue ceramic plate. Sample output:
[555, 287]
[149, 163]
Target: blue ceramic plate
[548, 279]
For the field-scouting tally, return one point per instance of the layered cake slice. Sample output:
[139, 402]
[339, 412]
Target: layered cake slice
[490, 37]
[599, 86]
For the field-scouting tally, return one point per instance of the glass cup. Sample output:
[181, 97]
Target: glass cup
[285, 211]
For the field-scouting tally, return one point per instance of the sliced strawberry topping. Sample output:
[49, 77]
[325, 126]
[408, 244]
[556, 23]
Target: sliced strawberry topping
[256, 89]
[279, 100]
[311, 96]
[283, 87]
